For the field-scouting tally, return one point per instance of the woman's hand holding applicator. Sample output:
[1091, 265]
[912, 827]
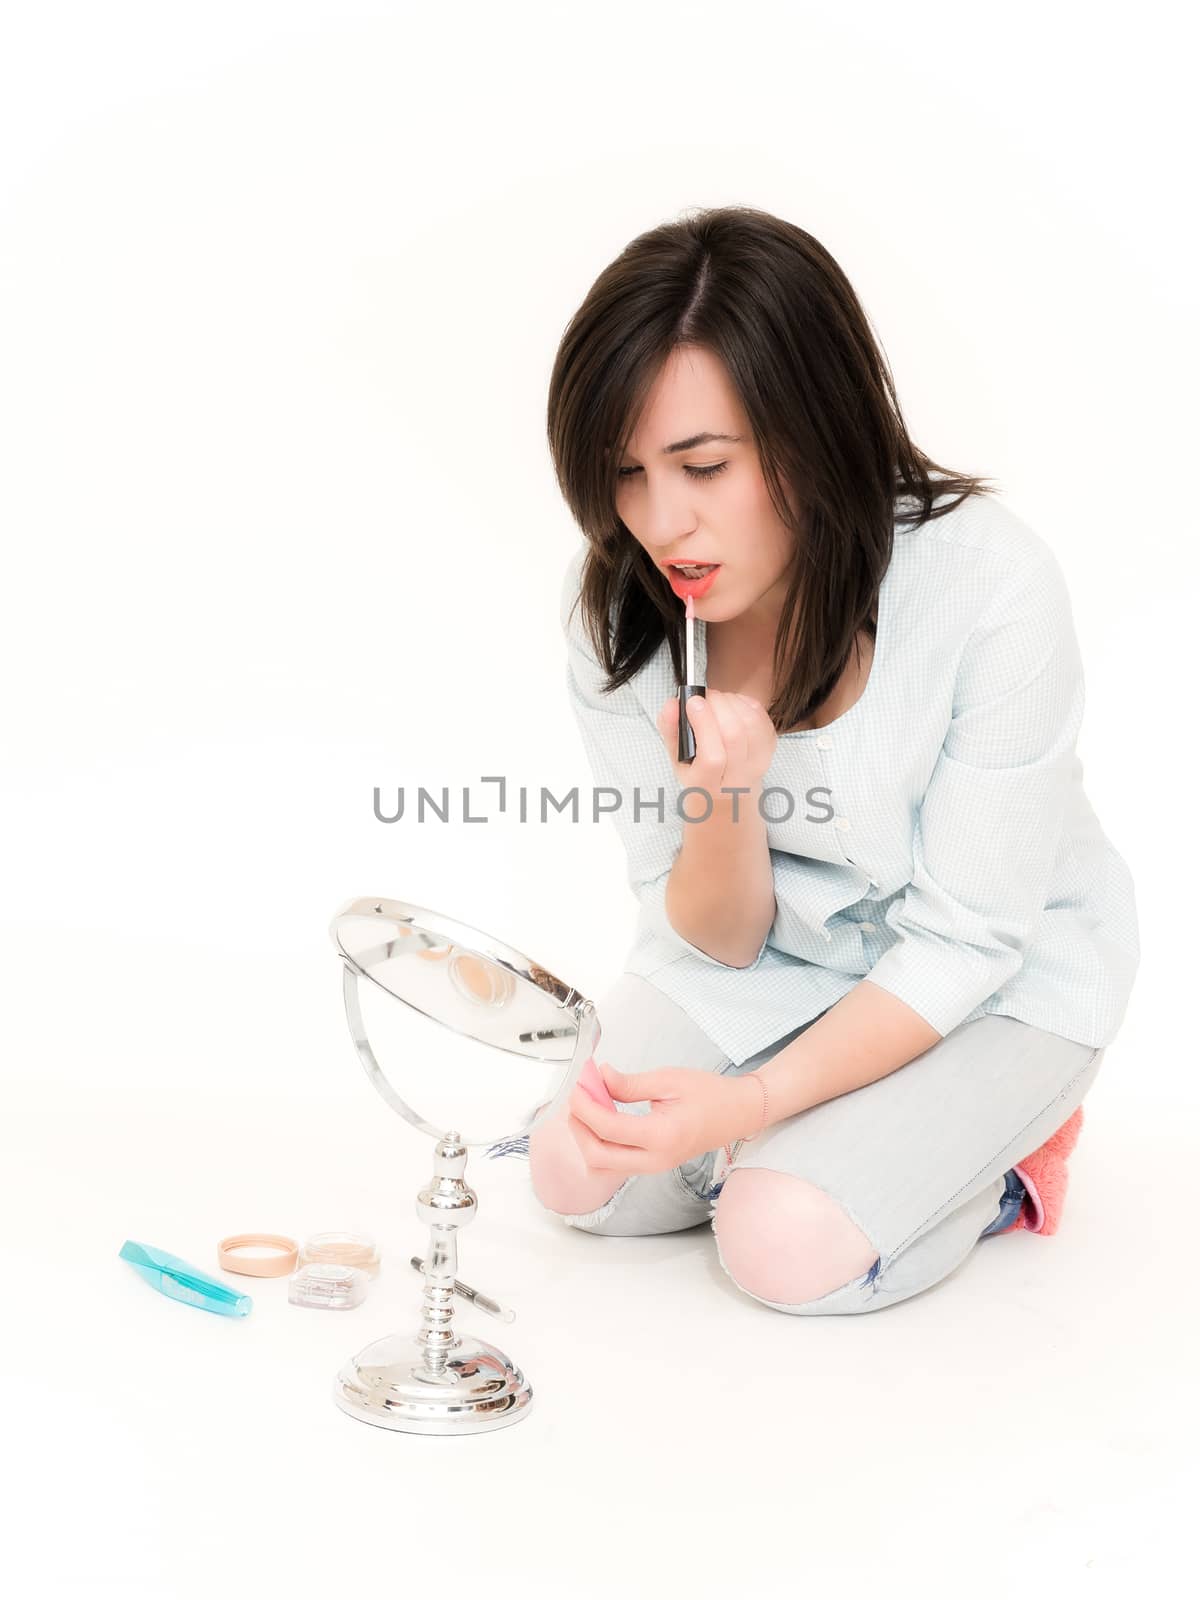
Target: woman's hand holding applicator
[735, 743]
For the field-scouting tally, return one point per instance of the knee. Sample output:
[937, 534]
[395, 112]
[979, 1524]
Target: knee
[555, 1165]
[782, 1238]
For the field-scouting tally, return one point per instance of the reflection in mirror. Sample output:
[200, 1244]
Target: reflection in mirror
[458, 1033]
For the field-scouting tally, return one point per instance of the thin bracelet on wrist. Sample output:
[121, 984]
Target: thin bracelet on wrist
[762, 1126]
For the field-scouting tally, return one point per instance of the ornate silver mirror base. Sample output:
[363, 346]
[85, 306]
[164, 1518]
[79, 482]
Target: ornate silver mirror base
[436, 1381]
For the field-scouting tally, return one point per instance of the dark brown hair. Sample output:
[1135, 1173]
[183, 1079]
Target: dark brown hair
[775, 308]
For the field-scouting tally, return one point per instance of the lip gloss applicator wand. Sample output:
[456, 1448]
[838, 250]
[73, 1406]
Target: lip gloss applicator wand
[687, 739]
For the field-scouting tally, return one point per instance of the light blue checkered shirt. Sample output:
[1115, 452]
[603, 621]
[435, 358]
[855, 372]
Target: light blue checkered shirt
[939, 840]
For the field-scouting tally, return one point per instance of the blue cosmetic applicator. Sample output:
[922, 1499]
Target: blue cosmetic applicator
[181, 1281]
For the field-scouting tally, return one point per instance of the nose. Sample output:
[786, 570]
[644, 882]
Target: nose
[661, 512]
[665, 527]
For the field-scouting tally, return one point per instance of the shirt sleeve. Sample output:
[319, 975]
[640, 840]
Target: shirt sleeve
[990, 821]
[635, 779]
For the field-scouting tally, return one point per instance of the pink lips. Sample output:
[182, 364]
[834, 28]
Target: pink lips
[697, 588]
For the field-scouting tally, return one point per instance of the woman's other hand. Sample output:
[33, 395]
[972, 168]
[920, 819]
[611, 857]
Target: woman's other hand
[691, 1112]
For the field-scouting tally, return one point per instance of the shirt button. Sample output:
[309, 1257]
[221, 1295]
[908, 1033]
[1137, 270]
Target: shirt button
[828, 935]
[841, 822]
[867, 927]
[824, 742]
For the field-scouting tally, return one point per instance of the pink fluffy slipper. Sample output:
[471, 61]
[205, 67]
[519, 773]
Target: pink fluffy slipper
[1044, 1174]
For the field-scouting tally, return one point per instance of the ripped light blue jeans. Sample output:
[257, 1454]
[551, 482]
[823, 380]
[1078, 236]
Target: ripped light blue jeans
[920, 1160]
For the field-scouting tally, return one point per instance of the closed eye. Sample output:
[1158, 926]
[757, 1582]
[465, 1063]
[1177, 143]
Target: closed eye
[692, 472]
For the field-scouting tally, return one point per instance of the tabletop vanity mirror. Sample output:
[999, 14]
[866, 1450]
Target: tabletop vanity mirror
[471, 1042]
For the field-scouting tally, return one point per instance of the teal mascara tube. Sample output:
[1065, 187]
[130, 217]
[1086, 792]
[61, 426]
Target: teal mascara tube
[181, 1281]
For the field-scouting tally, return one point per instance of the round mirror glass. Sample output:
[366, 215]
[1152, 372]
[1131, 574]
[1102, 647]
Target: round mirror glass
[458, 1032]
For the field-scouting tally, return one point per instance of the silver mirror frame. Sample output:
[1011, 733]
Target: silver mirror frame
[568, 999]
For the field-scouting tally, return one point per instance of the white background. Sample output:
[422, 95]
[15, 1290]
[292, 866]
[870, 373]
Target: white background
[281, 290]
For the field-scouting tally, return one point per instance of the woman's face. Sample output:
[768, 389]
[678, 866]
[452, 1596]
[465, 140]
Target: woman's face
[709, 502]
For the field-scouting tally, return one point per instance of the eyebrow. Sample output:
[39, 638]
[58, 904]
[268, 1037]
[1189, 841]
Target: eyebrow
[702, 438]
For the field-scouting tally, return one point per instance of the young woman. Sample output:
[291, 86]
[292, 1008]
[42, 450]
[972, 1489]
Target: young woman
[883, 939]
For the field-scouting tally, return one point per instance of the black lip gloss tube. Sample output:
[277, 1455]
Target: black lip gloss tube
[687, 737]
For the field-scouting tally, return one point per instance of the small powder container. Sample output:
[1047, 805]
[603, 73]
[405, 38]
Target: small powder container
[328, 1286]
[341, 1249]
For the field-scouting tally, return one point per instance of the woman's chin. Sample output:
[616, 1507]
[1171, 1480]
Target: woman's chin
[718, 610]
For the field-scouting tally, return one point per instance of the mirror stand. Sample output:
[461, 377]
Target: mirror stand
[437, 1381]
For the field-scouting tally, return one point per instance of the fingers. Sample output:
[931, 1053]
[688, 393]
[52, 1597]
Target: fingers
[762, 735]
[726, 726]
[589, 1147]
[755, 712]
[711, 754]
[606, 1155]
[709, 761]
[724, 723]
[732, 718]
[612, 1127]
